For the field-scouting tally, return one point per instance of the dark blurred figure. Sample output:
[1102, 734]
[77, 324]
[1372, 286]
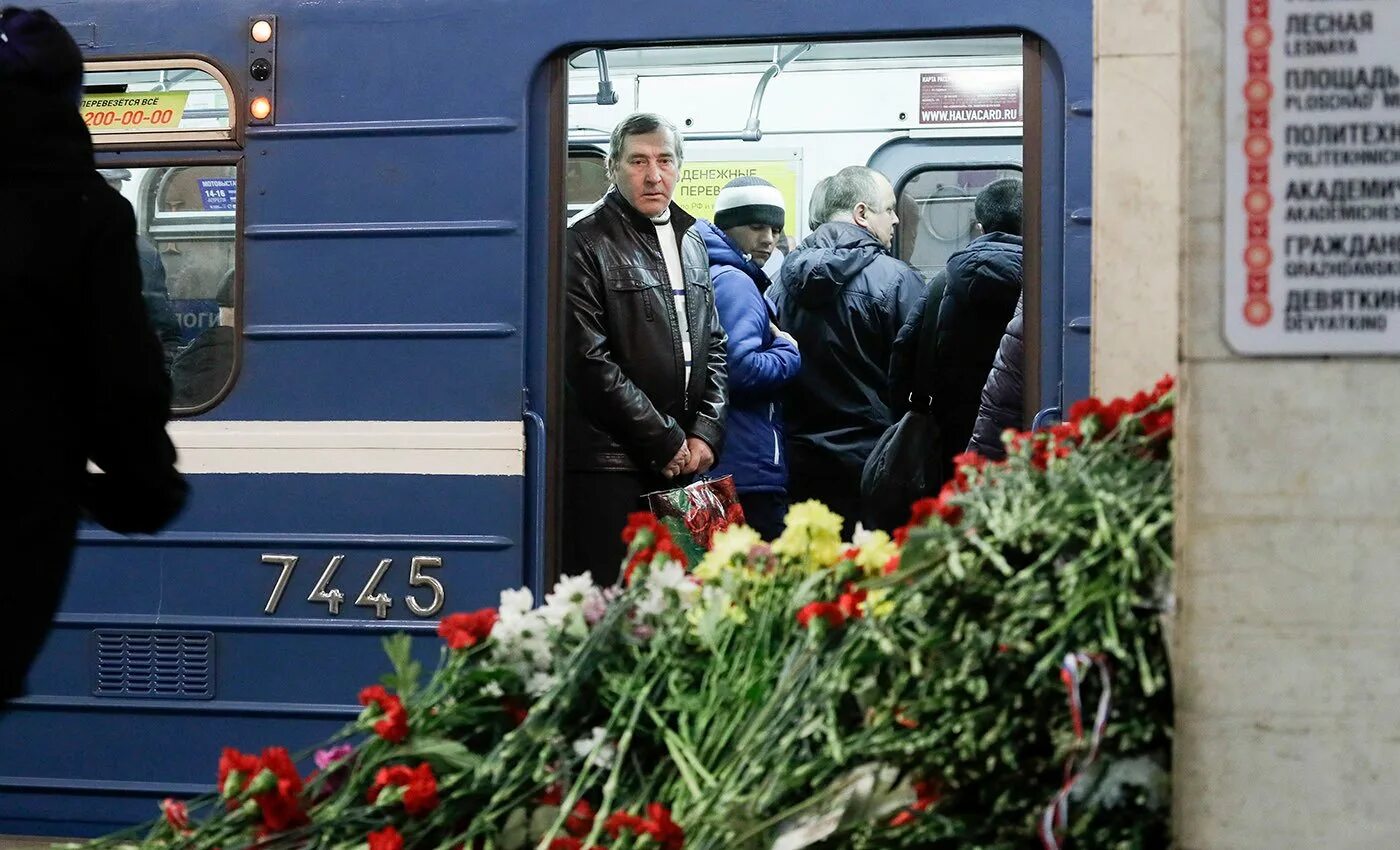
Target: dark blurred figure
[153, 288]
[978, 294]
[203, 367]
[1002, 405]
[67, 249]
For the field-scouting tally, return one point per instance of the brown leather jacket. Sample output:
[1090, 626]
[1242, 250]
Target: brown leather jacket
[626, 401]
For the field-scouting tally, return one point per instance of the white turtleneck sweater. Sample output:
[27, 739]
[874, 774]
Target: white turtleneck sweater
[666, 235]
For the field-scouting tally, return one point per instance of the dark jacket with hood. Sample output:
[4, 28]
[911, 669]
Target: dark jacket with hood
[68, 255]
[843, 297]
[983, 286]
[627, 403]
[1002, 406]
[760, 363]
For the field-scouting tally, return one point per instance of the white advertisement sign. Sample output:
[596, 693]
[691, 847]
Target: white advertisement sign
[1312, 177]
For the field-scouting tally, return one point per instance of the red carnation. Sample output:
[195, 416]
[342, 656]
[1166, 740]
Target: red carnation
[828, 611]
[420, 794]
[618, 822]
[902, 819]
[962, 462]
[281, 806]
[658, 825]
[175, 813]
[580, 820]
[387, 838]
[637, 522]
[1158, 423]
[551, 796]
[850, 602]
[464, 630]
[232, 761]
[394, 726]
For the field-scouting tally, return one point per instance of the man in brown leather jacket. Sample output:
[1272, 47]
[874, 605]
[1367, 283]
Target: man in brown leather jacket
[644, 382]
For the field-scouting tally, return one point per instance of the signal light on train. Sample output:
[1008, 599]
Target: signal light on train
[261, 31]
[260, 108]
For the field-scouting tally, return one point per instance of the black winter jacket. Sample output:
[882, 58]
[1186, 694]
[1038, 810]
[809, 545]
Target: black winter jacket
[1002, 406]
[984, 284]
[68, 259]
[843, 297]
[627, 404]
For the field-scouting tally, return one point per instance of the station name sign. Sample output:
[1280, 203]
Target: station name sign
[1312, 177]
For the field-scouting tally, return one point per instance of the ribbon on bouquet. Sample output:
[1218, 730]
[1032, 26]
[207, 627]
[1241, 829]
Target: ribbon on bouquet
[1055, 819]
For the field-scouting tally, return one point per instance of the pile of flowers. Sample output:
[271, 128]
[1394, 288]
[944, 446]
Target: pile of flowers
[966, 681]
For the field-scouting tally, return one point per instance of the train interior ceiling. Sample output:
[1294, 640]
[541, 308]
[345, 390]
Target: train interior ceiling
[939, 117]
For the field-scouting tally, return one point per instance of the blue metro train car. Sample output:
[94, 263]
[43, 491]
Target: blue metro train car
[356, 213]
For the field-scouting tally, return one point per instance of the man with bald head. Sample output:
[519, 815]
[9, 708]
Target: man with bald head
[843, 296]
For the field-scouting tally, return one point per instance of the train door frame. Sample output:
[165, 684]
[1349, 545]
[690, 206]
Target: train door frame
[1039, 130]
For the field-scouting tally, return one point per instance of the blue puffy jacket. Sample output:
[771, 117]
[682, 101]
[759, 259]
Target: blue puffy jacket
[760, 365]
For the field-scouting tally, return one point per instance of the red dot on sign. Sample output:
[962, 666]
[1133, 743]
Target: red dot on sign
[1257, 311]
[1258, 146]
[1258, 201]
[1258, 91]
[1258, 256]
[1258, 35]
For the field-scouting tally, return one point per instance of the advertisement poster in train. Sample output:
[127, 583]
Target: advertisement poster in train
[702, 178]
[1312, 178]
[977, 95]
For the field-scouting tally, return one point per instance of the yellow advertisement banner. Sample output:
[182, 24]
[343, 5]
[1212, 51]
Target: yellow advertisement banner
[700, 183]
[134, 112]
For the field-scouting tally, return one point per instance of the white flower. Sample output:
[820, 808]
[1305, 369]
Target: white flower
[492, 690]
[861, 537]
[653, 604]
[539, 683]
[571, 591]
[515, 603]
[596, 748]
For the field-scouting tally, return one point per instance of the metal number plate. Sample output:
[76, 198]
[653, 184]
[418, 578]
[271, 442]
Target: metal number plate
[371, 596]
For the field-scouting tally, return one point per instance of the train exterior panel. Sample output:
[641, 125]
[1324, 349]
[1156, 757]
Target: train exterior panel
[382, 454]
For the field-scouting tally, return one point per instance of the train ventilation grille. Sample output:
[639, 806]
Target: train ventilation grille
[153, 664]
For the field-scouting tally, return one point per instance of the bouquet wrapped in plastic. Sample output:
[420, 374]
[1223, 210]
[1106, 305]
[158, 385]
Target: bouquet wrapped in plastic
[696, 512]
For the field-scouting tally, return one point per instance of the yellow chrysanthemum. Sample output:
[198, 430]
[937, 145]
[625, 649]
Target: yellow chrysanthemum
[729, 547]
[876, 549]
[813, 535]
[878, 604]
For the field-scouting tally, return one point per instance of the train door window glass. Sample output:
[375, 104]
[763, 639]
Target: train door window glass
[936, 216]
[585, 179]
[186, 240]
[156, 100]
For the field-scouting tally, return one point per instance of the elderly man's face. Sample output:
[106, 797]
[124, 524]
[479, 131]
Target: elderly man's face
[647, 170]
[879, 216]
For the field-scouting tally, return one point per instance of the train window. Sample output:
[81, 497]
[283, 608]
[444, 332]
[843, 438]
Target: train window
[936, 213]
[186, 239]
[585, 178]
[156, 100]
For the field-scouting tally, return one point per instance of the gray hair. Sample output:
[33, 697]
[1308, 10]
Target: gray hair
[854, 184]
[639, 124]
[817, 211]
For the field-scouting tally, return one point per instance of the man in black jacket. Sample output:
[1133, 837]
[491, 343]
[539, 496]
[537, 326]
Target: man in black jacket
[644, 380]
[67, 249]
[843, 296]
[981, 288]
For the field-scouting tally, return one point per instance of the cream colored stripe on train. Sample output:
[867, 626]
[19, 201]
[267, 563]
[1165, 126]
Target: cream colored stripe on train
[358, 448]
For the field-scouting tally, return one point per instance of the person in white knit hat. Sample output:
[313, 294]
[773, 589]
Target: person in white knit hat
[762, 360]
